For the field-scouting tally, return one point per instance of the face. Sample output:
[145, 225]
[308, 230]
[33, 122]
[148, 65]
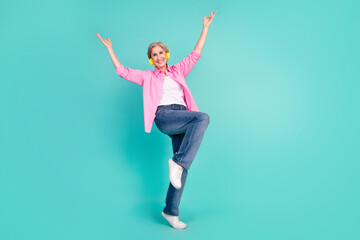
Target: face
[158, 55]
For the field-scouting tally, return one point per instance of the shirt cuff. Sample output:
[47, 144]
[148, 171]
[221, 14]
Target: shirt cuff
[195, 55]
[120, 69]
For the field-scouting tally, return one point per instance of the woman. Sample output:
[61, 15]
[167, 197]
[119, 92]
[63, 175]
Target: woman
[167, 101]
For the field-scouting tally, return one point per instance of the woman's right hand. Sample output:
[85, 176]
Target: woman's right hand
[107, 43]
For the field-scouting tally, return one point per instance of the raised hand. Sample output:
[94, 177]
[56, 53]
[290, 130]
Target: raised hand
[207, 20]
[107, 42]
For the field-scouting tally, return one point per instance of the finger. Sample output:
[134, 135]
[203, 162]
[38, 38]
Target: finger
[100, 37]
[212, 16]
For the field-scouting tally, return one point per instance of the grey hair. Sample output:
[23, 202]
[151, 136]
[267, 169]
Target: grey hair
[154, 44]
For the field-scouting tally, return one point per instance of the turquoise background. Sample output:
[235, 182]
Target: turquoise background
[280, 159]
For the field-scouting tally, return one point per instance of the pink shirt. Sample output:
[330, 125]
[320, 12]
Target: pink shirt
[152, 83]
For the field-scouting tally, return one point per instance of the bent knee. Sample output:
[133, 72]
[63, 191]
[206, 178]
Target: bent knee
[204, 117]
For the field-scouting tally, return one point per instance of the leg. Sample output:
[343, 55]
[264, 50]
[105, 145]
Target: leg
[186, 128]
[192, 124]
[173, 196]
[192, 140]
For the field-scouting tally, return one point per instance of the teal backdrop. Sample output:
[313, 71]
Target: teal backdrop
[280, 158]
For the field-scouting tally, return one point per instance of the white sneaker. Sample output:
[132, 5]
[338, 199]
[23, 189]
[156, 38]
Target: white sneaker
[174, 221]
[175, 172]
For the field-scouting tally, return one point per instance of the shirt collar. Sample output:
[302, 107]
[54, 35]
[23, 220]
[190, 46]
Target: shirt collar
[158, 71]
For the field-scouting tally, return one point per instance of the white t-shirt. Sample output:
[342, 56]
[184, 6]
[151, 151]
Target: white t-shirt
[172, 93]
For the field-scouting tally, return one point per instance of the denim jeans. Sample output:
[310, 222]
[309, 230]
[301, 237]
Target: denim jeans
[186, 130]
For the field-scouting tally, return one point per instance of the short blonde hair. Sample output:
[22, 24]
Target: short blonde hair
[154, 44]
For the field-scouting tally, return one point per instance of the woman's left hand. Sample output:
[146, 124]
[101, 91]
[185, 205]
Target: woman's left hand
[207, 20]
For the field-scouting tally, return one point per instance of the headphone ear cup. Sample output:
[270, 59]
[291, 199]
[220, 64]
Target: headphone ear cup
[151, 61]
[168, 56]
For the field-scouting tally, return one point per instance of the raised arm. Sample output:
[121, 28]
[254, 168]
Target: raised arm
[206, 24]
[108, 45]
[132, 75]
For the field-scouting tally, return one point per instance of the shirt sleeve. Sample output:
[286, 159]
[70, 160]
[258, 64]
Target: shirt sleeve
[132, 75]
[188, 63]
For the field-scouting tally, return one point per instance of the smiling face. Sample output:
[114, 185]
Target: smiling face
[158, 55]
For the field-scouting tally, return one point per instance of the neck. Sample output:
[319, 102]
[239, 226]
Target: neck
[163, 68]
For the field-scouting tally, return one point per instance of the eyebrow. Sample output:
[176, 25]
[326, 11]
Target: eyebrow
[159, 52]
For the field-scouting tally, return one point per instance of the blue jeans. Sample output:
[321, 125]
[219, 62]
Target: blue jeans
[186, 130]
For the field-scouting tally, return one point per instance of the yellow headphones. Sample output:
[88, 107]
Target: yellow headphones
[167, 56]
